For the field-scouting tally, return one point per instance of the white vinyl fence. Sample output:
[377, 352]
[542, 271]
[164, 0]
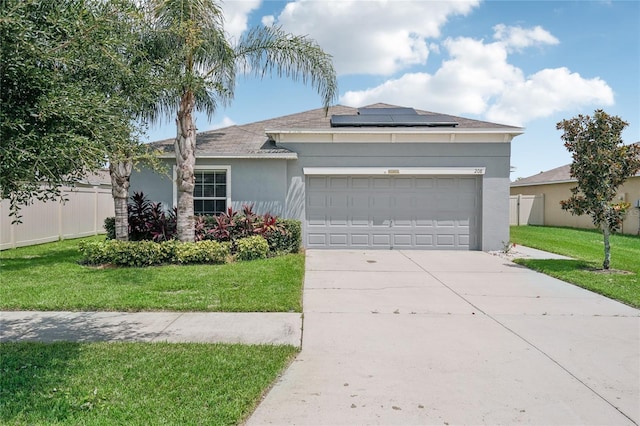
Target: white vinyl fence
[81, 215]
[526, 210]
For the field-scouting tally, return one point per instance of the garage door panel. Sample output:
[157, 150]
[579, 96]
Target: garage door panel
[424, 223]
[317, 239]
[338, 239]
[424, 182]
[445, 240]
[403, 183]
[359, 201]
[380, 221]
[317, 220]
[360, 182]
[338, 221]
[403, 223]
[381, 183]
[338, 200]
[316, 182]
[317, 200]
[360, 221]
[381, 240]
[360, 240]
[446, 183]
[468, 185]
[393, 211]
[338, 183]
[424, 240]
[403, 240]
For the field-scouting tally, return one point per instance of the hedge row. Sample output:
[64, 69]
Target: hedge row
[148, 253]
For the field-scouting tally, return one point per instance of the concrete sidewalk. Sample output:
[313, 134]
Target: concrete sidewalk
[210, 327]
[417, 337]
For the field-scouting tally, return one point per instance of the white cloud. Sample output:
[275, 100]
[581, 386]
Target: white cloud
[518, 38]
[547, 92]
[236, 14]
[226, 122]
[477, 78]
[378, 37]
[268, 21]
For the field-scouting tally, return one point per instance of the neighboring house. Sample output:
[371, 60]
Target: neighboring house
[555, 185]
[376, 177]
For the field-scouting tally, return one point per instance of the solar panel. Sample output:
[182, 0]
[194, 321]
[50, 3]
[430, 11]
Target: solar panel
[391, 120]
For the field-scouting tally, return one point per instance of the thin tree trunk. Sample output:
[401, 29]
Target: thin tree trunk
[185, 146]
[120, 172]
[607, 247]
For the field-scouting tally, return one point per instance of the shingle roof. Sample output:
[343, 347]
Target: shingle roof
[557, 175]
[251, 139]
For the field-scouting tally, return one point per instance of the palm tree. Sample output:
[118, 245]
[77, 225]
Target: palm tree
[200, 66]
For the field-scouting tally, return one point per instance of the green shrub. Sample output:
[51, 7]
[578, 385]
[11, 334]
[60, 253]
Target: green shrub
[110, 227]
[250, 248]
[205, 251]
[147, 253]
[288, 241]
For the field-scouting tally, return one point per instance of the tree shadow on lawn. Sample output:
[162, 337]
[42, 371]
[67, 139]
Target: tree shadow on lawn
[556, 265]
[33, 379]
[10, 261]
[37, 361]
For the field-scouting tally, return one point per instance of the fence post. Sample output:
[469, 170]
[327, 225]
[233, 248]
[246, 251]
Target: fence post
[60, 224]
[518, 210]
[95, 210]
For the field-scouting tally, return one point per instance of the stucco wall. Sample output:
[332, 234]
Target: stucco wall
[555, 216]
[262, 183]
[494, 156]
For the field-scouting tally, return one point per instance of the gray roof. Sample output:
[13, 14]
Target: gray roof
[557, 175]
[251, 139]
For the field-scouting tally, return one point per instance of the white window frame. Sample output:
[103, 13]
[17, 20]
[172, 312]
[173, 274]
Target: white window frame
[200, 168]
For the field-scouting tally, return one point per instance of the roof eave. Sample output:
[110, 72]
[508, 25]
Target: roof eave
[395, 135]
[266, 156]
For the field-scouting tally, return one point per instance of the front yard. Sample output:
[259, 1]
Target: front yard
[48, 277]
[134, 383]
[139, 383]
[622, 283]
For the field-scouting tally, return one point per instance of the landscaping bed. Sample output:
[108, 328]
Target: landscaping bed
[585, 247]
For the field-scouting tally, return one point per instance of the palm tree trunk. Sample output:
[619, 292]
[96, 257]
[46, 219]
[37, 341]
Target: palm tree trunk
[185, 146]
[607, 247]
[120, 172]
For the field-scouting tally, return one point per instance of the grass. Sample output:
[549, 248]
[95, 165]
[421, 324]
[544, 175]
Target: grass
[587, 248]
[134, 383]
[48, 277]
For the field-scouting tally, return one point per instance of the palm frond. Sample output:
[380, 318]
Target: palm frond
[270, 50]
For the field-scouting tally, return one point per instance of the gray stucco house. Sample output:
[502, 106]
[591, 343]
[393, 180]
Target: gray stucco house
[376, 177]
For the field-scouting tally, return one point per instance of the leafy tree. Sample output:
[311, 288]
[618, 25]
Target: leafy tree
[601, 163]
[200, 72]
[74, 79]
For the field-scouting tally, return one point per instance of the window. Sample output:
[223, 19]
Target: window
[210, 192]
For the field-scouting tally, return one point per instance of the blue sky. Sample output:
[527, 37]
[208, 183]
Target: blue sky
[525, 63]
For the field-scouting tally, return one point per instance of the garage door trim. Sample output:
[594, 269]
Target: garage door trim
[374, 171]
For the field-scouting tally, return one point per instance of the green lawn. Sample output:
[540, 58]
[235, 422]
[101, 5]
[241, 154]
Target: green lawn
[586, 247]
[134, 383]
[48, 277]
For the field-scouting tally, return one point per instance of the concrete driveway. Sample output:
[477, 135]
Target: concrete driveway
[424, 337]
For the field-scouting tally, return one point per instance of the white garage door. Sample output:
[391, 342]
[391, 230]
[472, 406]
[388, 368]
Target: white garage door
[422, 212]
